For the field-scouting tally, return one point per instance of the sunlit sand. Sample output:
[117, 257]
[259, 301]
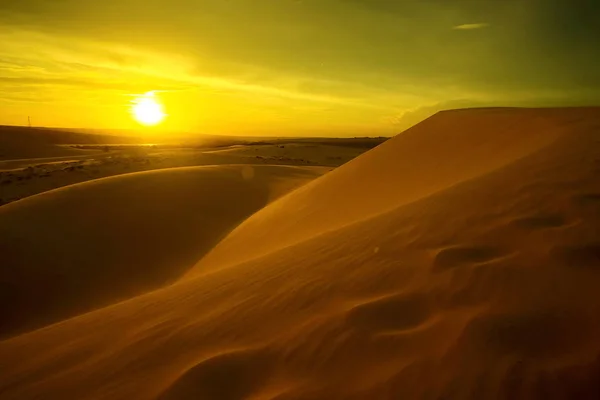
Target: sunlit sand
[458, 260]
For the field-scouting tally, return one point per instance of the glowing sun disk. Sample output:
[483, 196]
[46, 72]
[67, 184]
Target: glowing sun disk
[147, 111]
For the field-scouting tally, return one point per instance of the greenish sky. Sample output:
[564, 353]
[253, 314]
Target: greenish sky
[297, 67]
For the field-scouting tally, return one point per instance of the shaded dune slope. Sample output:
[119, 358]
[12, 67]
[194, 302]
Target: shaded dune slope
[484, 287]
[83, 246]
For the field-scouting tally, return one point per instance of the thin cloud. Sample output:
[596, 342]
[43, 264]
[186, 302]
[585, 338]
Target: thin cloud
[95, 64]
[467, 27]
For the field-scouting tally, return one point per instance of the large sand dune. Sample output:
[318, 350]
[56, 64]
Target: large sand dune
[83, 246]
[448, 148]
[459, 260]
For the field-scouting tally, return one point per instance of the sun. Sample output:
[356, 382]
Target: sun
[147, 110]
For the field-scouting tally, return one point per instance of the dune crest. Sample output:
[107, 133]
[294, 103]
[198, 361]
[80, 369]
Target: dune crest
[84, 246]
[473, 279]
[444, 150]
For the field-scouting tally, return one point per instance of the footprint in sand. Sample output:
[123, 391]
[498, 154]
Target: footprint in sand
[535, 222]
[453, 257]
[393, 313]
[228, 376]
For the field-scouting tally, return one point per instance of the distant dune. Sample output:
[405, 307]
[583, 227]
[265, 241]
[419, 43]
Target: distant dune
[458, 260]
[20, 178]
[18, 142]
[320, 154]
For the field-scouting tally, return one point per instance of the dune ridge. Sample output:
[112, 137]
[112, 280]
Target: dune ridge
[413, 165]
[466, 283]
[84, 246]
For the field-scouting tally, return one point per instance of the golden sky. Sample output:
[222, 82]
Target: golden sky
[290, 67]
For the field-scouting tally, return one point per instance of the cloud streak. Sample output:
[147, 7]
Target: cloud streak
[106, 65]
[470, 27]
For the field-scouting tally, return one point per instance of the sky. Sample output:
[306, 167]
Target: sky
[291, 67]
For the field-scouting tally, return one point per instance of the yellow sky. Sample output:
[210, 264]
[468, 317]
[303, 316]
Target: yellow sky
[289, 67]
[72, 82]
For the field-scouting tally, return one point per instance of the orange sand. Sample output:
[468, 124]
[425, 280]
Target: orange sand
[459, 260]
[88, 245]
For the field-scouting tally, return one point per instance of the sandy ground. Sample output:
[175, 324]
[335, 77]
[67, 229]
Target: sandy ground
[21, 178]
[459, 260]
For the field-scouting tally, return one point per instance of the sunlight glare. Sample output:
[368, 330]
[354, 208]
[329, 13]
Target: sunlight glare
[147, 110]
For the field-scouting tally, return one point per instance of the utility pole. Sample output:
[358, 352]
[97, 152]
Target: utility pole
[29, 121]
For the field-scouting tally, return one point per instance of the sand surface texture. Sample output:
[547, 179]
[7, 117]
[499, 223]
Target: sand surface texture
[458, 260]
[87, 245]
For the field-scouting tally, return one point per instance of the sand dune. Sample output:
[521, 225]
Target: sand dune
[27, 150]
[21, 142]
[21, 178]
[73, 249]
[442, 151]
[459, 260]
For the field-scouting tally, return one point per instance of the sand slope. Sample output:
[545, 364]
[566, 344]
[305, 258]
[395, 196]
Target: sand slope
[87, 245]
[475, 278]
[436, 154]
